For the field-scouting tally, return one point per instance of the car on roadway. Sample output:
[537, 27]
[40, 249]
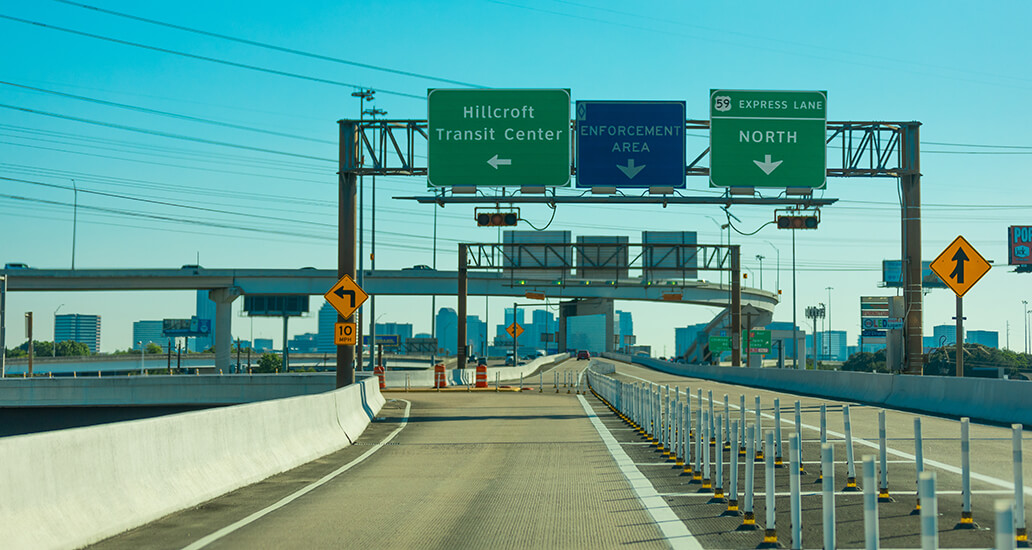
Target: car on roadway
[583, 354]
[420, 267]
[16, 265]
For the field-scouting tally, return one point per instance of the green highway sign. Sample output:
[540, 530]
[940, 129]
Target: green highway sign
[768, 138]
[498, 137]
[718, 344]
[758, 340]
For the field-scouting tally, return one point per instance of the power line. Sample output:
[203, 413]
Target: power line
[269, 46]
[166, 113]
[209, 59]
[162, 134]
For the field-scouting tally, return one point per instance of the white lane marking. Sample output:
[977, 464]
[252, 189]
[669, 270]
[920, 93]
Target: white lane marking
[201, 543]
[907, 456]
[673, 529]
[839, 493]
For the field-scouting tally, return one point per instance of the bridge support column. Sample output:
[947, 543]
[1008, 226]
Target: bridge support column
[223, 298]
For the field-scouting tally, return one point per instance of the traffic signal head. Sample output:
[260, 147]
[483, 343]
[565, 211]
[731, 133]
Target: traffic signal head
[798, 222]
[495, 218]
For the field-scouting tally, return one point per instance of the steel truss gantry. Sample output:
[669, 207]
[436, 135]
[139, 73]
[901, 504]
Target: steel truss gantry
[866, 149]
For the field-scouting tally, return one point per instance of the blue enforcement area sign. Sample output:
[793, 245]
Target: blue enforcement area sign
[637, 144]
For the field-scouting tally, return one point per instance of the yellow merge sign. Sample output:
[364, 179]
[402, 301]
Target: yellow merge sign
[960, 266]
[346, 296]
[344, 334]
[514, 330]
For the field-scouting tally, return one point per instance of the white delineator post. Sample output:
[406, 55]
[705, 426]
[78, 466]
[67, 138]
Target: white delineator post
[794, 489]
[929, 511]
[770, 533]
[870, 505]
[828, 500]
[850, 465]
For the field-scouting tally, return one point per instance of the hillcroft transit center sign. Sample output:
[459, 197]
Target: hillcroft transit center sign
[768, 138]
[498, 137]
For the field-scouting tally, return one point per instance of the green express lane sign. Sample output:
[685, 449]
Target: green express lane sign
[498, 137]
[768, 138]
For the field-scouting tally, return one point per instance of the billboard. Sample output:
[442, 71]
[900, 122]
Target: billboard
[1019, 244]
[186, 327]
[892, 275]
[275, 305]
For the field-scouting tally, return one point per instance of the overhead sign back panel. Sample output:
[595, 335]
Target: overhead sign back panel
[772, 139]
[498, 137]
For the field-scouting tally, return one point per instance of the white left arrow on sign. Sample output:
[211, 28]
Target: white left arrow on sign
[495, 162]
[767, 166]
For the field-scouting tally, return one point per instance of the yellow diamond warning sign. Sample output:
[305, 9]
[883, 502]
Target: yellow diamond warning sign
[960, 266]
[514, 330]
[346, 296]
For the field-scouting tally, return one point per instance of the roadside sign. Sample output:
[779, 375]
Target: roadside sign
[718, 344]
[759, 341]
[768, 138]
[346, 296]
[383, 340]
[1019, 245]
[872, 334]
[344, 334]
[960, 266]
[630, 144]
[498, 137]
[514, 330]
[869, 323]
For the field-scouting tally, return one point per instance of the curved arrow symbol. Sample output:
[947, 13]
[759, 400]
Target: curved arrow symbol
[340, 292]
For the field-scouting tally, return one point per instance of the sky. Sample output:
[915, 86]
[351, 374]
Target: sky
[234, 145]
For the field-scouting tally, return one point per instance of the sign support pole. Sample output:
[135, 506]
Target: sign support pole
[736, 306]
[460, 330]
[910, 185]
[515, 337]
[960, 336]
[347, 183]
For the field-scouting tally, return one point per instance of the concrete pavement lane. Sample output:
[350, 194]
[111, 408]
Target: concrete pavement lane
[478, 469]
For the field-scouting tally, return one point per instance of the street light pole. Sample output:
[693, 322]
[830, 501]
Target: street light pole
[142, 351]
[760, 258]
[372, 252]
[1025, 303]
[362, 95]
[829, 289]
[795, 326]
[778, 283]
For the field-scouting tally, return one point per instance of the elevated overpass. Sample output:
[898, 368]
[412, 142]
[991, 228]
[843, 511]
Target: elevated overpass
[225, 285]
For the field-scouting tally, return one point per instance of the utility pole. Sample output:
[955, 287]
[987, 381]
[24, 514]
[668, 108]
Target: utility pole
[910, 191]
[828, 338]
[347, 182]
[795, 326]
[372, 248]
[362, 95]
[28, 330]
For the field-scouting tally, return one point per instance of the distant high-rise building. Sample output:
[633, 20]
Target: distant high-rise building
[447, 329]
[304, 343]
[76, 327]
[684, 337]
[519, 316]
[327, 320]
[262, 344]
[147, 332]
[831, 345]
[205, 310]
[945, 335]
[623, 330]
[988, 338]
[586, 332]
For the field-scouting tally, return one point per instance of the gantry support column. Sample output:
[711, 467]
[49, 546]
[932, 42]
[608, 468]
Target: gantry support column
[910, 186]
[223, 298]
[460, 330]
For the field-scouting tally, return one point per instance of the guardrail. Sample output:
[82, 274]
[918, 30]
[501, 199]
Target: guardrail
[1003, 401]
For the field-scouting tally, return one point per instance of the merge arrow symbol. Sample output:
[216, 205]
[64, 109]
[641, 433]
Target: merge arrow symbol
[958, 271]
[495, 162]
[630, 170]
[767, 166]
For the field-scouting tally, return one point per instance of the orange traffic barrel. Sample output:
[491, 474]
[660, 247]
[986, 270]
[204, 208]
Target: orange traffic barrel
[439, 377]
[481, 375]
[378, 371]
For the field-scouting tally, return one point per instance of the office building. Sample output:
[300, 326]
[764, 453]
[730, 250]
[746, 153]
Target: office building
[945, 335]
[987, 338]
[446, 324]
[623, 331]
[586, 332]
[684, 337]
[327, 320]
[76, 327]
[304, 343]
[148, 332]
[262, 345]
[205, 310]
[831, 345]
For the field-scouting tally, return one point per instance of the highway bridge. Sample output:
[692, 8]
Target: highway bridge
[226, 285]
[549, 466]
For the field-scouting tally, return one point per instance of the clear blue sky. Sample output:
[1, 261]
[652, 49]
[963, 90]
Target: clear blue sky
[959, 68]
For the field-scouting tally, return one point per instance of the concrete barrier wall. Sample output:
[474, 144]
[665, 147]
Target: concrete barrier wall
[205, 389]
[72, 487]
[458, 377]
[987, 399]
